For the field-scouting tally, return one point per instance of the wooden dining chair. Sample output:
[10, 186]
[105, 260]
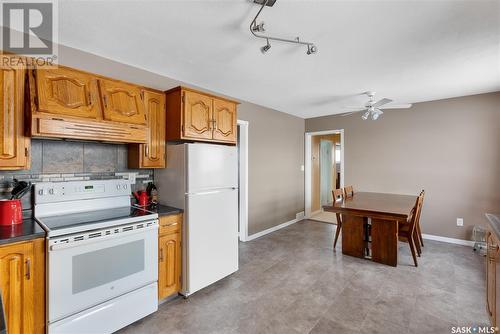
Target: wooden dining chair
[407, 231]
[338, 196]
[419, 230]
[348, 192]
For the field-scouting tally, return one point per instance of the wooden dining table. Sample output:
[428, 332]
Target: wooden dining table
[370, 224]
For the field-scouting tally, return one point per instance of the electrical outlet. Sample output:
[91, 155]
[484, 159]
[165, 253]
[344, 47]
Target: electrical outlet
[460, 222]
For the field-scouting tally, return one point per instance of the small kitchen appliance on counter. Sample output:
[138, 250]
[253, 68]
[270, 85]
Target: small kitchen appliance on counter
[102, 256]
[11, 212]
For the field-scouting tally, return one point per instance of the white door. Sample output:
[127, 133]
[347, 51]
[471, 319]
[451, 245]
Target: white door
[212, 237]
[211, 167]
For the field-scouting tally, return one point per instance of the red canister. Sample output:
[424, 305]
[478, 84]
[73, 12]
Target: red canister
[10, 212]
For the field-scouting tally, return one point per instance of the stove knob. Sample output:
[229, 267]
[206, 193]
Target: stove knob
[51, 191]
[40, 192]
[124, 186]
[118, 186]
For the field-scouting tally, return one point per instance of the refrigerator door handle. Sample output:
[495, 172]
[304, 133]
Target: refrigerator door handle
[212, 191]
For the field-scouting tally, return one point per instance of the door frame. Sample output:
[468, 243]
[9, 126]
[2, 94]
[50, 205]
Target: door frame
[308, 165]
[243, 180]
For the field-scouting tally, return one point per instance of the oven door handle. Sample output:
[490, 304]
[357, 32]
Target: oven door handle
[63, 246]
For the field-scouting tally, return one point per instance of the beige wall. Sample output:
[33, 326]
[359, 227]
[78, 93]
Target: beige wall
[276, 148]
[450, 148]
[276, 153]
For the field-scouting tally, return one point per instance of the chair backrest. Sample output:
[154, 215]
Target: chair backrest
[421, 196]
[348, 191]
[415, 213]
[338, 195]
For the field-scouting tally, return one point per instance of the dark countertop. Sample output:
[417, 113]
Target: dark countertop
[28, 230]
[494, 220]
[164, 210]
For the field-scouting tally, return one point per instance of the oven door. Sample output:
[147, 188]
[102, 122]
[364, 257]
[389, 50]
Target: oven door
[90, 268]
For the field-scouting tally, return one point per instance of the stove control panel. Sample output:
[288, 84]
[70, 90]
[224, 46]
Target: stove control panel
[49, 192]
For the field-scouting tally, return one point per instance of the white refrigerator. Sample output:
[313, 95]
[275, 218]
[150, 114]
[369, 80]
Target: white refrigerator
[202, 179]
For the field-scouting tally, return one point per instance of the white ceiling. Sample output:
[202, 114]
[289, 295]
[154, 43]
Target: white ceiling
[409, 51]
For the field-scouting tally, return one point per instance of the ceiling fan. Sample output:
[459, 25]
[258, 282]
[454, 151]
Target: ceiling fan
[374, 109]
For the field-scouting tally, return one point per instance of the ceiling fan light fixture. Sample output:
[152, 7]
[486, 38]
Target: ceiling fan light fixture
[365, 115]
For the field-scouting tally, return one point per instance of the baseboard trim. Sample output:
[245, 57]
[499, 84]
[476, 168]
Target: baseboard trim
[272, 229]
[448, 240]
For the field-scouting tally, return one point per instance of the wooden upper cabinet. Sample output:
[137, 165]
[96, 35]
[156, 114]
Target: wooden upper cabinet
[122, 102]
[68, 103]
[14, 146]
[16, 284]
[196, 116]
[224, 116]
[69, 92]
[151, 154]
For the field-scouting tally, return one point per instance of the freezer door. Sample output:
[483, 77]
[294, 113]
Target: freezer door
[212, 237]
[211, 167]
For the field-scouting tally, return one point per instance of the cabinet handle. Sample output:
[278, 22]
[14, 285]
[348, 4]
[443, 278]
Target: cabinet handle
[161, 254]
[105, 99]
[146, 150]
[28, 268]
[90, 99]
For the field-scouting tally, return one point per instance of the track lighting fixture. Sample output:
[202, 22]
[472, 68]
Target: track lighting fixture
[365, 115]
[259, 28]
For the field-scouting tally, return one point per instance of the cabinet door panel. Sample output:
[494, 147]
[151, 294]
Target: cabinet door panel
[16, 284]
[122, 102]
[197, 116]
[67, 92]
[153, 152]
[225, 121]
[14, 147]
[169, 265]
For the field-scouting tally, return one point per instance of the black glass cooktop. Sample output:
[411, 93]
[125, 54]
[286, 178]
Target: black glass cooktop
[53, 223]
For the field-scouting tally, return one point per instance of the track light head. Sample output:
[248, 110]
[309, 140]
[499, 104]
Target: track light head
[259, 27]
[265, 48]
[311, 49]
[365, 115]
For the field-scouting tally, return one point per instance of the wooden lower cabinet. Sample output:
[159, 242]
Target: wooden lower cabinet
[493, 278]
[22, 284]
[169, 256]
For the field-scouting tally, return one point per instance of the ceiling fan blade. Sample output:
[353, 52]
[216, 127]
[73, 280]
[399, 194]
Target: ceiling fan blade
[381, 102]
[397, 106]
[350, 113]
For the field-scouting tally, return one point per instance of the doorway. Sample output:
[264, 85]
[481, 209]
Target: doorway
[324, 171]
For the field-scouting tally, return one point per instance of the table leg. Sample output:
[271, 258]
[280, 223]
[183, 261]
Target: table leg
[353, 236]
[385, 241]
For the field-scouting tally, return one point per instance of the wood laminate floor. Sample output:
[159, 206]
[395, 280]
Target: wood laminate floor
[291, 281]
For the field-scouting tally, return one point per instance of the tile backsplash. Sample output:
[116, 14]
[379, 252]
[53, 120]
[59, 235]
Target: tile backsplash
[72, 161]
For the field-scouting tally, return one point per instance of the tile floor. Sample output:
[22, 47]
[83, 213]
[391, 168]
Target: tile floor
[291, 281]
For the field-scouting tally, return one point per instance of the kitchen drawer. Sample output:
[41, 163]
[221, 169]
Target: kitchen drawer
[170, 224]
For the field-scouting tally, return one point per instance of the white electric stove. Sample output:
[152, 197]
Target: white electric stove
[102, 255]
